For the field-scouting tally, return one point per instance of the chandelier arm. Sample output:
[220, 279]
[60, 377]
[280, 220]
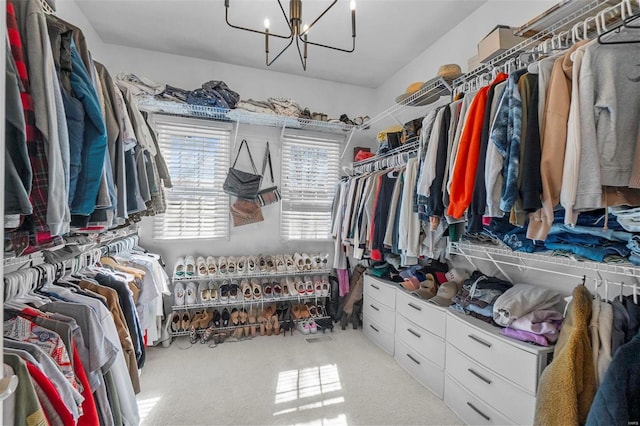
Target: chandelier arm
[353, 48]
[278, 55]
[226, 18]
[322, 14]
[286, 19]
[303, 61]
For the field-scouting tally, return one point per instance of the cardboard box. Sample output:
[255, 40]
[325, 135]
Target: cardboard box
[473, 63]
[501, 38]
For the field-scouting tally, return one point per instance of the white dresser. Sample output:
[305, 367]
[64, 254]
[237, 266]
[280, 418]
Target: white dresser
[420, 340]
[484, 377]
[379, 316]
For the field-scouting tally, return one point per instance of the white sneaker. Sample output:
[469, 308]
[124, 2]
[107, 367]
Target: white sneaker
[189, 266]
[303, 327]
[201, 267]
[178, 294]
[204, 292]
[178, 269]
[191, 292]
[242, 265]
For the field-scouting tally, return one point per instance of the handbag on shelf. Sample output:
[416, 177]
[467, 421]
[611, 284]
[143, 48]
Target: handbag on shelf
[245, 212]
[269, 195]
[242, 184]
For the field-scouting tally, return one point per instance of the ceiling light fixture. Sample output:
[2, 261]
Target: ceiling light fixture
[297, 32]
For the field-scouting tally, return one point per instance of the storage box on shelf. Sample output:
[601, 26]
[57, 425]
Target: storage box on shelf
[484, 377]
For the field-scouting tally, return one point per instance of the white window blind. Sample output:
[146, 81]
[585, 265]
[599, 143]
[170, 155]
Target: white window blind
[197, 154]
[310, 172]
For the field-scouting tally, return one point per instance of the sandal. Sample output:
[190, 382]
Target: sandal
[178, 270]
[193, 336]
[247, 293]
[202, 267]
[212, 265]
[204, 338]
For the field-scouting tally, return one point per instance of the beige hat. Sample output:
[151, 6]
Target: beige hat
[428, 288]
[446, 292]
[411, 89]
[449, 72]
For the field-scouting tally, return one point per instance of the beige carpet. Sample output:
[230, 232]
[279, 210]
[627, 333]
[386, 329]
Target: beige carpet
[345, 380]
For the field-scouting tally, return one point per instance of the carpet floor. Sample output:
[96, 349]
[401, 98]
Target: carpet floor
[342, 378]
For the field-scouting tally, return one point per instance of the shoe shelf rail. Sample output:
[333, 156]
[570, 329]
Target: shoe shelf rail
[157, 106]
[244, 302]
[246, 325]
[252, 275]
[502, 255]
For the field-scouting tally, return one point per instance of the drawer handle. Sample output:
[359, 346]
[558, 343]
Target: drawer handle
[375, 286]
[377, 309]
[417, 308]
[374, 329]
[479, 376]
[479, 340]
[414, 333]
[413, 359]
[487, 418]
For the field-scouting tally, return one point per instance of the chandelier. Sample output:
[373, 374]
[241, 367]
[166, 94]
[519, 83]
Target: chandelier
[297, 31]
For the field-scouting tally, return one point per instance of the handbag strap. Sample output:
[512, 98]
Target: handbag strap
[267, 157]
[244, 142]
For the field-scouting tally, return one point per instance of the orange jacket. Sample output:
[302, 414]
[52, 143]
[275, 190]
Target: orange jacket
[464, 171]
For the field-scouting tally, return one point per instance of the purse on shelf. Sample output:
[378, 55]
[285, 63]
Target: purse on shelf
[245, 212]
[269, 195]
[242, 184]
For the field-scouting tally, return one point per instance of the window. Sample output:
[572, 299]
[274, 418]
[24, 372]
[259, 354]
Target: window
[197, 154]
[310, 168]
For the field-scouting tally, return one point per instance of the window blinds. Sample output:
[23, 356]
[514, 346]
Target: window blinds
[310, 172]
[197, 154]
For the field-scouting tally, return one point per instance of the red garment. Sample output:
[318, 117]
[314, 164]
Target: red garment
[35, 141]
[464, 171]
[52, 394]
[89, 415]
[375, 254]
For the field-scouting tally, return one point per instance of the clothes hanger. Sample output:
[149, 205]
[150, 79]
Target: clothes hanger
[607, 36]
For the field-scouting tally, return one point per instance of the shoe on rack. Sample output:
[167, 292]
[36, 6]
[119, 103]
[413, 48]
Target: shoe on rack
[224, 291]
[262, 264]
[251, 264]
[289, 263]
[303, 327]
[231, 264]
[204, 292]
[175, 322]
[233, 290]
[242, 265]
[325, 285]
[234, 317]
[313, 328]
[178, 294]
[276, 289]
[225, 317]
[298, 260]
[252, 318]
[245, 287]
[186, 321]
[316, 261]
[271, 266]
[217, 318]
[213, 291]
[244, 320]
[266, 289]
[189, 266]
[195, 319]
[222, 265]
[201, 267]
[300, 287]
[324, 257]
[307, 261]
[317, 285]
[256, 288]
[308, 285]
[292, 286]
[191, 291]
[178, 269]
[284, 285]
[207, 319]
[212, 266]
[280, 265]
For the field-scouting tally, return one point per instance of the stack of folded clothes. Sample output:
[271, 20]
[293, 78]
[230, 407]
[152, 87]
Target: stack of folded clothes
[524, 310]
[478, 295]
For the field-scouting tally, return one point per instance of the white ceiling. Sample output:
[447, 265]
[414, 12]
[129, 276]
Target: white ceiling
[390, 33]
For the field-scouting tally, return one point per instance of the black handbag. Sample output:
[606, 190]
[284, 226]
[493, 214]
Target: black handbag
[242, 184]
[269, 195]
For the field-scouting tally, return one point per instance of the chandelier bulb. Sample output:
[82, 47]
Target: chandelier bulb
[353, 5]
[305, 29]
[267, 23]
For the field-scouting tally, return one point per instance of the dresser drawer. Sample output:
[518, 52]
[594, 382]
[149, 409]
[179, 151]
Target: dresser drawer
[424, 343]
[469, 408]
[424, 371]
[426, 315]
[514, 402]
[494, 352]
[382, 315]
[380, 290]
[383, 339]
